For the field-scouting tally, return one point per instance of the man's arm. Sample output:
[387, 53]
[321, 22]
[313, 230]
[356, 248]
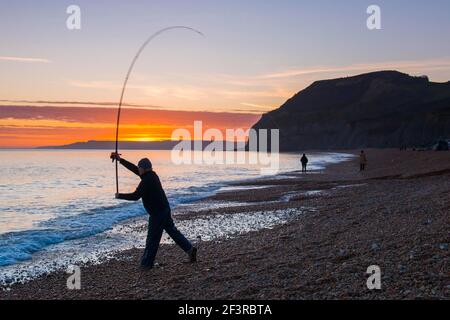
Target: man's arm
[135, 196]
[133, 168]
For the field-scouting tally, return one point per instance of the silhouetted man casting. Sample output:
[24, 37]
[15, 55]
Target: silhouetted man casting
[304, 161]
[156, 204]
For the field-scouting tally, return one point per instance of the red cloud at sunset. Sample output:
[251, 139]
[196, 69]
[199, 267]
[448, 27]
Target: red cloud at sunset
[31, 126]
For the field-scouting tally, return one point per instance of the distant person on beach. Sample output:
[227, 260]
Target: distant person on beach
[157, 206]
[362, 161]
[304, 161]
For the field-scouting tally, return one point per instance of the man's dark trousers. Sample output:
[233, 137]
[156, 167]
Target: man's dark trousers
[157, 223]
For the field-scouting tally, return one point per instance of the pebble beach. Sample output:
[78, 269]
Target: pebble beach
[336, 223]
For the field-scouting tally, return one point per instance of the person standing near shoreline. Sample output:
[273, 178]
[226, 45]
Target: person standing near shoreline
[362, 161]
[304, 161]
[158, 208]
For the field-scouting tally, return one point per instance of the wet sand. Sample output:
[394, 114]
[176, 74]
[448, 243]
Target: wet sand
[395, 215]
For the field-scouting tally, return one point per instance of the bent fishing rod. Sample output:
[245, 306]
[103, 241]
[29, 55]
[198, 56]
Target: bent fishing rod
[130, 69]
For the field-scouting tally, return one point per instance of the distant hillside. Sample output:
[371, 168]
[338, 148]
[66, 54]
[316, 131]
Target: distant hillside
[125, 145]
[379, 109]
[110, 145]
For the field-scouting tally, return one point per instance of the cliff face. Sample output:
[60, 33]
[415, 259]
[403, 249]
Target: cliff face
[380, 109]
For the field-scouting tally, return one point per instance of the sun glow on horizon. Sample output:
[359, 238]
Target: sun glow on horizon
[29, 126]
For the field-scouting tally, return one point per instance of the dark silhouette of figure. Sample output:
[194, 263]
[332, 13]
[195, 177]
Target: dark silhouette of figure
[362, 161]
[304, 161]
[156, 204]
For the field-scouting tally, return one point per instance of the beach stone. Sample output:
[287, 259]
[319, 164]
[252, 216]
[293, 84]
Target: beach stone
[375, 246]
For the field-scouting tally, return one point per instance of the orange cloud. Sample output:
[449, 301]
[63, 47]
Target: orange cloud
[31, 126]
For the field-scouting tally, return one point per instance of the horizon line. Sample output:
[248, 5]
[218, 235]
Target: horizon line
[109, 141]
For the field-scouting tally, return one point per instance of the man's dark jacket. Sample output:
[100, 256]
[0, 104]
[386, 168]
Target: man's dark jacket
[150, 190]
[304, 160]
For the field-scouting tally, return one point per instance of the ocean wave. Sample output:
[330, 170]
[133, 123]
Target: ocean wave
[19, 246]
[123, 236]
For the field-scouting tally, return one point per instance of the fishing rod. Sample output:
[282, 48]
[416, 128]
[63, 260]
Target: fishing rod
[130, 69]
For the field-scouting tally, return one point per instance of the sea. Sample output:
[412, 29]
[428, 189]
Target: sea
[57, 207]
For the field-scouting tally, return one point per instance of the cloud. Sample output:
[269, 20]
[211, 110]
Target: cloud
[85, 104]
[105, 85]
[52, 124]
[186, 92]
[130, 115]
[269, 93]
[24, 59]
[407, 65]
[270, 88]
[26, 126]
[258, 107]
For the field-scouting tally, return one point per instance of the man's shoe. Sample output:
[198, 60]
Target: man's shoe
[145, 268]
[193, 255]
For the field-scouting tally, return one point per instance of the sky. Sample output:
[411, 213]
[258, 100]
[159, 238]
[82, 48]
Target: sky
[59, 86]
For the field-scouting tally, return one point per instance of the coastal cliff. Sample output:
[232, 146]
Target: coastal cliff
[380, 110]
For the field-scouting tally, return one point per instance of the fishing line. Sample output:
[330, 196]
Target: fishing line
[130, 69]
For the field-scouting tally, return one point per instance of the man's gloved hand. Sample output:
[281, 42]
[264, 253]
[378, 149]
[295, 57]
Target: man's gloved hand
[114, 156]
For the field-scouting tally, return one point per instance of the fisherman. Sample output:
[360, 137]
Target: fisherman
[362, 161]
[304, 161]
[155, 202]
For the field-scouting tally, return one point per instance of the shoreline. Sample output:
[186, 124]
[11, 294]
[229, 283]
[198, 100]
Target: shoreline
[100, 246]
[322, 253]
